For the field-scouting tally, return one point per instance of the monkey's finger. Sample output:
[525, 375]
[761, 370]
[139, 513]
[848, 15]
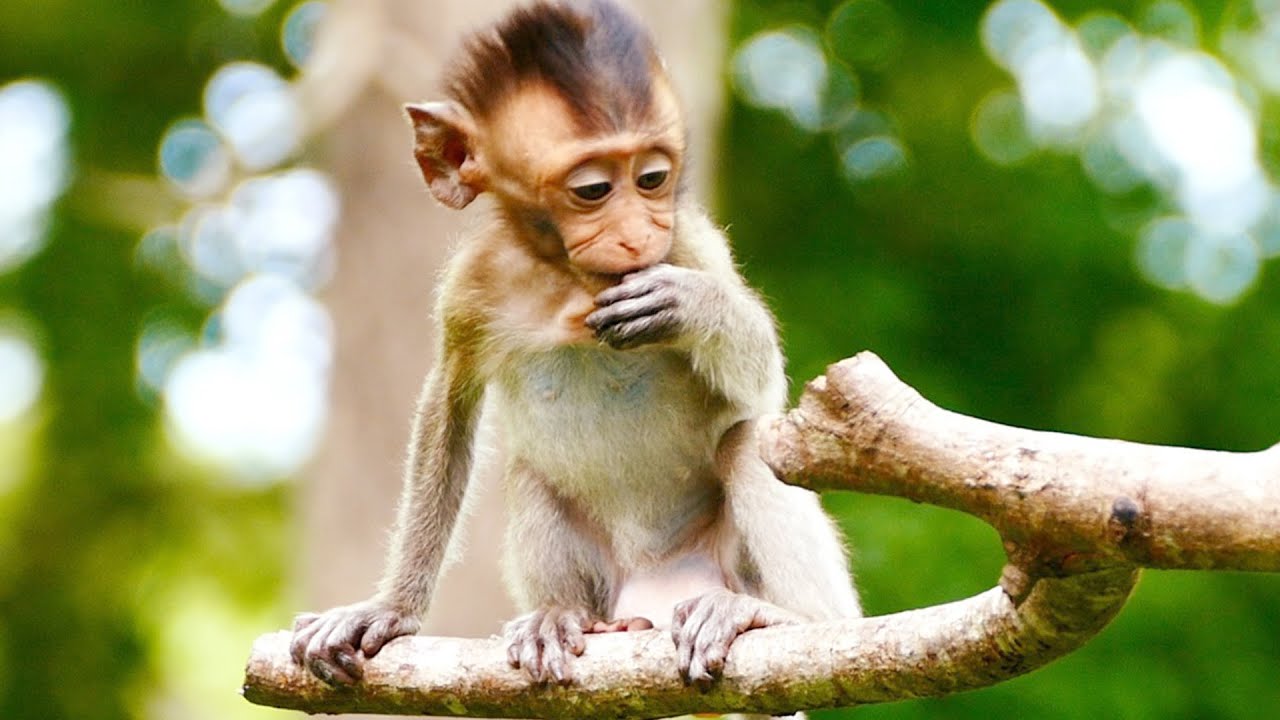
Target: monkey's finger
[622, 625]
[640, 331]
[348, 662]
[630, 309]
[530, 654]
[532, 659]
[379, 633]
[711, 647]
[516, 633]
[330, 673]
[571, 636]
[632, 286]
[684, 638]
[331, 654]
[556, 662]
[321, 655]
[298, 643]
[301, 621]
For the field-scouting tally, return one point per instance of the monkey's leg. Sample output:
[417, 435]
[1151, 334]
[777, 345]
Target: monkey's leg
[797, 563]
[795, 549]
[556, 570]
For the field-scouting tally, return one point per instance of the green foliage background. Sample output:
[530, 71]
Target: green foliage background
[1002, 293]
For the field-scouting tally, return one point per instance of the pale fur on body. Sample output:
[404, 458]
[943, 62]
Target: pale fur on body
[617, 449]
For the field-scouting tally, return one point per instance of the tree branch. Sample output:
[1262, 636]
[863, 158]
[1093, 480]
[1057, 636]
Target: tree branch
[1078, 517]
[1066, 502]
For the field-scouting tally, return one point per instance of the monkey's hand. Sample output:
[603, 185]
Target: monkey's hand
[333, 644]
[704, 627]
[653, 305]
[542, 641]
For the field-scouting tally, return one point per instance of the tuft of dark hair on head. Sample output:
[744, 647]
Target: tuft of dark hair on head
[594, 54]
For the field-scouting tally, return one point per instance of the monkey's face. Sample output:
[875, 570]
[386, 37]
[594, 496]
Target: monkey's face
[608, 198]
[614, 212]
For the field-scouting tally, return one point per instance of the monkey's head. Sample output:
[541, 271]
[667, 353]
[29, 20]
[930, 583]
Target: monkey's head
[564, 113]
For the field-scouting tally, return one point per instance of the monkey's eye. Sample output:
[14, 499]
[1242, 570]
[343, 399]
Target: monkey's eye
[653, 171]
[593, 191]
[652, 180]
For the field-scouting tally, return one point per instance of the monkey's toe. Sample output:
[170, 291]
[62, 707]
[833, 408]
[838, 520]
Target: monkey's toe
[621, 625]
[544, 642]
[705, 627]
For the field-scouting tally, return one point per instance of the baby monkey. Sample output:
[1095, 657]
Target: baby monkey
[601, 317]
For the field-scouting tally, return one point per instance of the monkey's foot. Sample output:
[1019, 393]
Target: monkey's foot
[621, 625]
[705, 627]
[542, 641]
[331, 644]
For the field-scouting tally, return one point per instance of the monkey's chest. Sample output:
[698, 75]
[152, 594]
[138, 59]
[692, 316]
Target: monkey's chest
[596, 415]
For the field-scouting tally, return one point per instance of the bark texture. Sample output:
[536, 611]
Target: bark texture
[1078, 516]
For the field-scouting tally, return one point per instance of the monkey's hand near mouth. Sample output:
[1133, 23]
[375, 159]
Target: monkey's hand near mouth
[657, 304]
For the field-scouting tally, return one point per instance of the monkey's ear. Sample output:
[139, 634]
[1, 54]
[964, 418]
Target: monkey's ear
[444, 142]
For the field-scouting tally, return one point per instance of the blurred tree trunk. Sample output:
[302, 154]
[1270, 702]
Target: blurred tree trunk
[373, 57]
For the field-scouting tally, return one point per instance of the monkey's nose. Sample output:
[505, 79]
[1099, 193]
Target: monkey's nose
[632, 247]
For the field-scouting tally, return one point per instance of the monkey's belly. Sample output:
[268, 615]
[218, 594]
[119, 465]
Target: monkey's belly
[654, 592]
[611, 424]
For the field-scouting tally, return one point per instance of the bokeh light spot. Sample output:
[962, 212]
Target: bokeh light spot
[785, 70]
[208, 238]
[1162, 251]
[1100, 31]
[1141, 107]
[193, 158]
[34, 121]
[1059, 88]
[864, 33]
[255, 400]
[246, 8]
[255, 111]
[1264, 57]
[1171, 21]
[1196, 121]
[1221, 267]
[21, 374]
[998, 128]
[161, 344]
[159, 250]
[1057, 80]
[1267, 231]
[286, 224]
[1013, 30]
[298, 32]
[873, 157]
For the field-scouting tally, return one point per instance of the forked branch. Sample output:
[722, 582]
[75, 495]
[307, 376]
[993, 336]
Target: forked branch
[1078, 516]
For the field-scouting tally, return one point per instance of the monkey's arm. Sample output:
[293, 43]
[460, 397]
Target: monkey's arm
[699, 302]
[436, 473]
